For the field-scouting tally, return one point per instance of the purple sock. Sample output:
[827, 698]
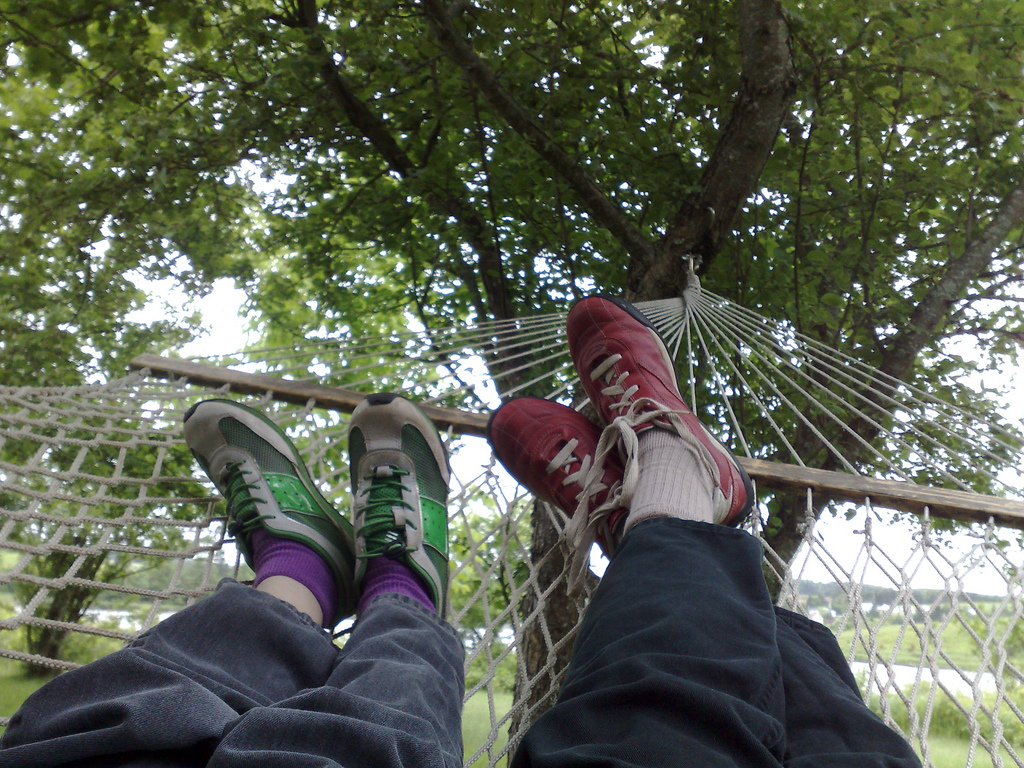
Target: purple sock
[386, 575]
[282, 557]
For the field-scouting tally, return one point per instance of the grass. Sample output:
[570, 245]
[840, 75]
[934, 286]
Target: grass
[956, 643]
[948, 752]
[476, 725]
[15, 687]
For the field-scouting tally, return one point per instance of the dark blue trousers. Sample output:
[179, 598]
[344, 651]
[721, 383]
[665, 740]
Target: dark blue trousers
[681, 661]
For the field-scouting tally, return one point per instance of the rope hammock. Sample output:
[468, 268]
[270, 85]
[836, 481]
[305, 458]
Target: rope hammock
[107, 526]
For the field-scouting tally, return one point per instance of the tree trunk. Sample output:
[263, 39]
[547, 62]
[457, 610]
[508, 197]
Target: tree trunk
[550, 616]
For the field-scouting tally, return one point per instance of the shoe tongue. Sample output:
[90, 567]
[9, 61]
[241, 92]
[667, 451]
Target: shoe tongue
[385, 484]
[233, 479]
[385, 517]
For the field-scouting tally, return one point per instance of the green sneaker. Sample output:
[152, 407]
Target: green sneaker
[266, 485]
[400, 479]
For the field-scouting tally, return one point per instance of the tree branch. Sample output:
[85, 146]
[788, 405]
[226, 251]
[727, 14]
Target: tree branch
[938, 302]
[934, 309]
[450, 204]
[706, 217]
[601, 207]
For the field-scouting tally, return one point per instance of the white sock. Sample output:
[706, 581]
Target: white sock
[674, 480]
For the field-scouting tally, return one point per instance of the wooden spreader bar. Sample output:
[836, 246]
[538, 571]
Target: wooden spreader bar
[896, 494]
[839, 486]
[298, 392]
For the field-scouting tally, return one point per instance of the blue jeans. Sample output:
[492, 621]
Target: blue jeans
[681, 661]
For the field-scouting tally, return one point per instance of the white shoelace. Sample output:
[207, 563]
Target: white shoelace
[591, 482]
[582, 528]
[614, 385]
[565, 458]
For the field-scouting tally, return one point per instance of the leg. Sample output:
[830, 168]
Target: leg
[753, 687]
[675, 663]
[827, 722]
[705, 675]
[244, 678]
[168, 697]
[204, 688]
[176, 689]
[394, 699]
[395, 696]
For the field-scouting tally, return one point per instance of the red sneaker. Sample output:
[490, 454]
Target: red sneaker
[627, 371]
[551, 450]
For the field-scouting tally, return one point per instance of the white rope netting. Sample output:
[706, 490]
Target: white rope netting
[107, 525]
